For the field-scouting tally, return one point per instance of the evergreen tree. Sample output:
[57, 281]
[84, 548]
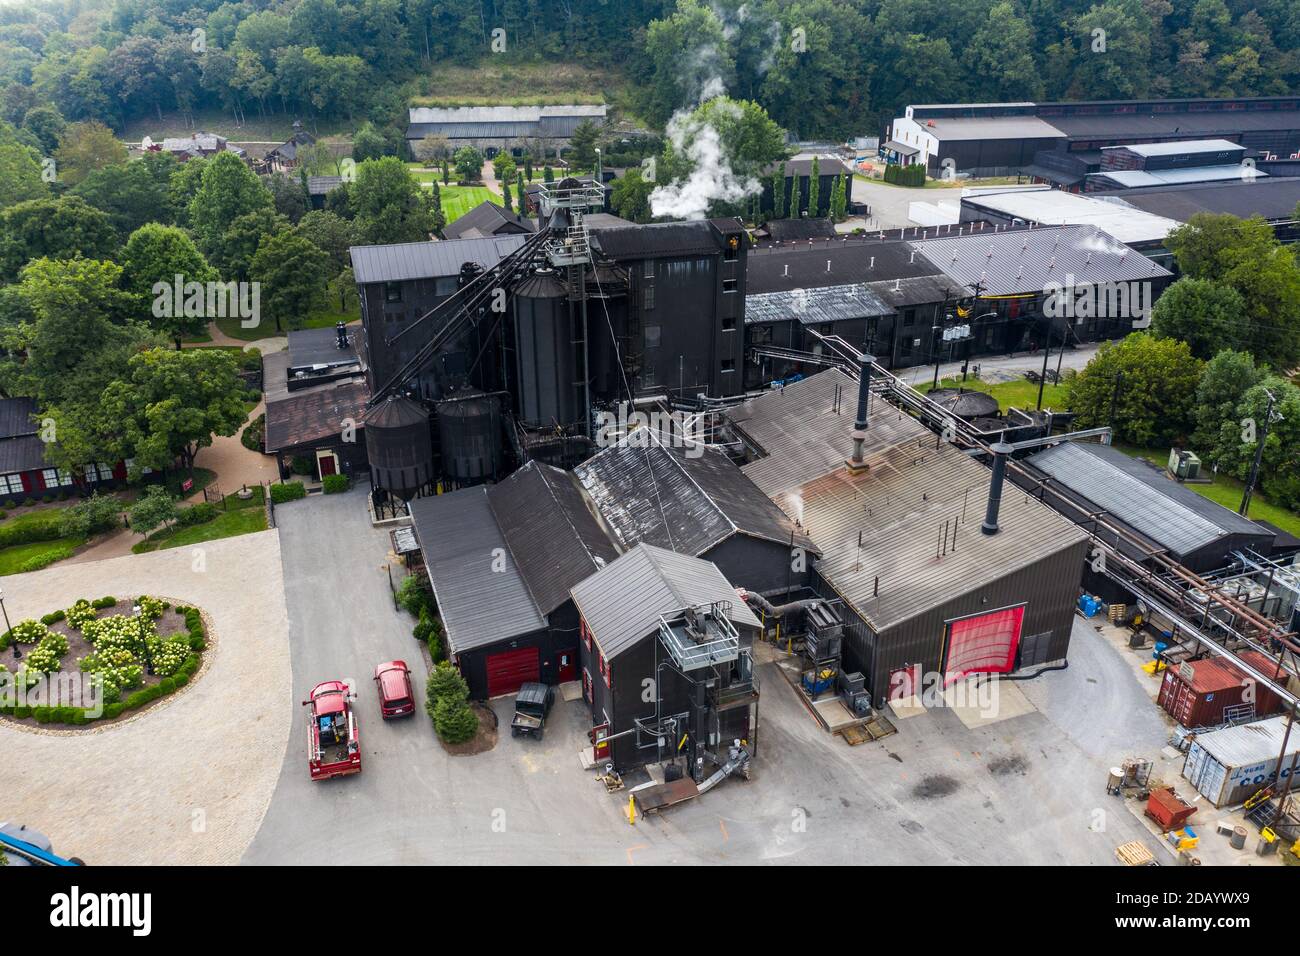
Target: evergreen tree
[814, 189]
[778, 192]
[505, 198]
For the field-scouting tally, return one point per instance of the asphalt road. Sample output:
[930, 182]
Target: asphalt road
[1026, 790]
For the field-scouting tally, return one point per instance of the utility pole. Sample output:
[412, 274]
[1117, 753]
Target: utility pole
[1047, 351]
[1259, 455]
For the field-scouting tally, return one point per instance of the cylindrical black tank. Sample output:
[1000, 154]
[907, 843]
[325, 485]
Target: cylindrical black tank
[469, 428]
[544, 349]
[965, 403]
[400, 445]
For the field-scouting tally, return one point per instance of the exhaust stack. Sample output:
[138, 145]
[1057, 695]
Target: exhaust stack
[1000, 451]
[856, 463]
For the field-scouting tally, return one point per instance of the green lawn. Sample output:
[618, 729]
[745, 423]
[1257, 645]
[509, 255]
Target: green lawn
[243, 517]
[13, 558]
[458, 200]
[1020, 393]
[1225, 490]
[324, 318]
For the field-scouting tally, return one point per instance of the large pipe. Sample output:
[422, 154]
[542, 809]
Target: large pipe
[1000, 451]
[864, 400]
[778, 611]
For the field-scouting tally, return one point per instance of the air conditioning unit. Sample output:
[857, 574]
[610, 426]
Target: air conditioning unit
[1184, 465]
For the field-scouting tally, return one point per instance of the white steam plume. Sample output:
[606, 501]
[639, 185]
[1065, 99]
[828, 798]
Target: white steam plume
[711, 179]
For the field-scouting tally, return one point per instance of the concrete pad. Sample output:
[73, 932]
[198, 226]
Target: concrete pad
[906, 707]
[964, 701]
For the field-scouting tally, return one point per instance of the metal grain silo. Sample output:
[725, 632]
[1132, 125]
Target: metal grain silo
[400, 446]
[548, 380]
[469, 429]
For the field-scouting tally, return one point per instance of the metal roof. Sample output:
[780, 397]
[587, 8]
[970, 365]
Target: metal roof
[319, 347]
[323, 185]
[622, 603]
[879, 531]
[954, 129]
[305, 418]
[1032, 260]
[1055, 207]
[555, 541]
[685, 498]
[813, 306]
[1170, 514]
[1247, 744]
[481, 593]
[827, 262]
[16, 417]
[658, 239]
[1274, 198]
[426, 260]
[1184, 125]
[502, 114]
[790, 230]
[1134, 178]
[1179, 147]
[23, 453]
[486, 219]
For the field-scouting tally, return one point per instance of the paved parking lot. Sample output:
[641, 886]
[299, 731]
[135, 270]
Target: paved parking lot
[186, 781]
[1027, 790]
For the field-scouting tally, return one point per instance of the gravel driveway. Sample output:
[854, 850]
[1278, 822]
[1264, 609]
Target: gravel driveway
[187, 781]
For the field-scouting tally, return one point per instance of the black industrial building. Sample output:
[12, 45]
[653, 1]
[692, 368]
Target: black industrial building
[488, 219]
[692, 499]
[1061, 143]
[1198, 533]
[667, 661]
[923, 587]
[501, 559]
[1275, 200]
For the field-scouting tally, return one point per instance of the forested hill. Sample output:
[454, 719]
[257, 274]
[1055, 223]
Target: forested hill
[822, 68]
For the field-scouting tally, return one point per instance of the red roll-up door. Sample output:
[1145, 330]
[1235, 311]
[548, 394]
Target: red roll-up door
[509, 670]
[983, 644]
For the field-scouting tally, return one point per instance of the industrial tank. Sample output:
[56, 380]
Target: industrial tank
[469, 429]
[400, 447]
[548, 380]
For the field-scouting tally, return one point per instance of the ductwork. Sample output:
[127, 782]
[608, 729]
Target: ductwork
[778, 611]
[856, 463]
[1000, 451]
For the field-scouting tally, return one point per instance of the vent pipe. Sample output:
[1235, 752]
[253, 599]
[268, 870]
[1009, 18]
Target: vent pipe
[856, 463]
[1000, 451]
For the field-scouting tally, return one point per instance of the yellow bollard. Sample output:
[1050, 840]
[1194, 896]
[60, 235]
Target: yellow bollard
[631, 810]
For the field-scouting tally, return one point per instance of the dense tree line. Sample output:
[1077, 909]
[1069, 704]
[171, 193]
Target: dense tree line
[822, 68]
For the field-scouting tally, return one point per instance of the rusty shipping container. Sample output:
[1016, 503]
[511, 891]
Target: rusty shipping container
[1197, 693]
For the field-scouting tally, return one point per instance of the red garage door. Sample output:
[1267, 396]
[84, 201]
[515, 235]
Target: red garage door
[983, 644]
[507, 671]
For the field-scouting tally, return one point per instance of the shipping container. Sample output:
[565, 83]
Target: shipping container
[1200, 693]
[1227, 766]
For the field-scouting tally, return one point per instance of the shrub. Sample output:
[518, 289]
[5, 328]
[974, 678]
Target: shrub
[168, 655]
[335, 483]
[445, 683]
[302, 465]
[251, 438]
[287, 491]
[151, 608]
[28, 529]
[423, 627]
[80, 614]
[415, 597]
[199, 513]
[46, 558]
[455, 721]
[92, 515]
[29, 632]
[101, 603]
[54, 617]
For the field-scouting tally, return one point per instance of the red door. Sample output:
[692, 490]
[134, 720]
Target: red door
[566, 667]
[905, 682]
[509, 670]
[326, 465]
[983, 644]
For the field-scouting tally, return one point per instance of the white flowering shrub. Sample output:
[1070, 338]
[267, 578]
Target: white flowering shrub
[29, 631]
[151, 608]
[81, 614]
[168, 655]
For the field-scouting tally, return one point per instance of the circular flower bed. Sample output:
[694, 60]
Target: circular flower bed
[92, 662]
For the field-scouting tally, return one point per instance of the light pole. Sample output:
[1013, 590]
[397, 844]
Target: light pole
[13, 641]
[1259, 455]
[144, 643]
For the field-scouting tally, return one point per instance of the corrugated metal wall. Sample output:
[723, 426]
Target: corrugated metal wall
[1048, 588]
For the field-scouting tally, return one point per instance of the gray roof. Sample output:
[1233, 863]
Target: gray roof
[323, 185]
[1031, 260]
[24, 453]
[427, 260]
[1248, 744]
[554, 539]
[622, 603]
[897, 508]
[463, 549]
[309, 347]
[813, 306]
[16, 417]
[953, 129]
[674, 239]
[1170, 514]
[687, 499]
[488, 219]
[1138, 178]
[495, 122]
[1178, 148]
[1271, 198]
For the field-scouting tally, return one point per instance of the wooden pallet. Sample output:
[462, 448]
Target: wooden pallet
[1134, 854]
[870, 730]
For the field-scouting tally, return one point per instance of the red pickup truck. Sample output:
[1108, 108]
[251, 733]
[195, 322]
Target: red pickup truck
[333, 744]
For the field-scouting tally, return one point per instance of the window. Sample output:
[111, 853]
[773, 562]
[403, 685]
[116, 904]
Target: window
[729, 324]
[392, 292]
[648, 297]
[55, 477]
[730, 285]
[652, 333]
[728, 365]
[586, 634]
[11, 484]
[100, 472]
[760, 335]
[909, 317]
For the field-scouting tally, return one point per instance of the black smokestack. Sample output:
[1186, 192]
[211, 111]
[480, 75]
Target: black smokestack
[860, 423]
[1000, 452]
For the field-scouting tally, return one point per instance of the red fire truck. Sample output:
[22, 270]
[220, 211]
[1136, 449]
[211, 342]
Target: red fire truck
[333, 744]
